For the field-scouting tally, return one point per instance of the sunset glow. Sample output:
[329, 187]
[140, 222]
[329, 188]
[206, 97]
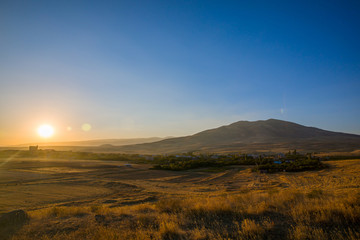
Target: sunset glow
[139, 69]
[45, 131]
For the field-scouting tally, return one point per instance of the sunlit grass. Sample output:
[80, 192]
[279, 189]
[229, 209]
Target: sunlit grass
[285, 214]
[314, 205]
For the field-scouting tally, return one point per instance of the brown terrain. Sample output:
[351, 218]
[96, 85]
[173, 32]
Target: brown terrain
[45, 198]
[81, 199]
[260, 136]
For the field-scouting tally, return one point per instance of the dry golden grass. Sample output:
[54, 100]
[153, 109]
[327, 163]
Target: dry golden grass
[295, 206]
[281, 215]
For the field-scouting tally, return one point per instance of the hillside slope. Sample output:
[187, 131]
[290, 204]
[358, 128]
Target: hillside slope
[260, 136]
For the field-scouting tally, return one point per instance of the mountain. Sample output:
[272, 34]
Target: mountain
[260, 136]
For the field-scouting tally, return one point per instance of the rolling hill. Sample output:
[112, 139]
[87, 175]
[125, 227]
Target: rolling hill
[98, 142]
[259, 136]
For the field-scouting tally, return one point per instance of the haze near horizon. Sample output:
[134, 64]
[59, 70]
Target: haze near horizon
[129, 69]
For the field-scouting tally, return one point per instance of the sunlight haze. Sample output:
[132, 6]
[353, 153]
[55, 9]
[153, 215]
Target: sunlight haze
[167, 119]
[128, 69]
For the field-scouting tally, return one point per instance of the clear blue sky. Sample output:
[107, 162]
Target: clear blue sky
[172, 68]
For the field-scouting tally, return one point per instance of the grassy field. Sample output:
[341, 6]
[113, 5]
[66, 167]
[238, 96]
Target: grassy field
[81, 199]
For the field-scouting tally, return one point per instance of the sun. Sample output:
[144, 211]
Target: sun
[45, 131]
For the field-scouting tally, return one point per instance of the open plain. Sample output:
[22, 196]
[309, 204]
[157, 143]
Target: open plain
[92, 199]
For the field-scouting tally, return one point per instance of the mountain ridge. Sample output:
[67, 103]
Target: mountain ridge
[270, 135]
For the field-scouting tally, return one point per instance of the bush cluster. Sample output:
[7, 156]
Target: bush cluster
[295, 166]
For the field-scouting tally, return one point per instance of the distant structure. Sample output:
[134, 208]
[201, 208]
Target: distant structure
[33, 148]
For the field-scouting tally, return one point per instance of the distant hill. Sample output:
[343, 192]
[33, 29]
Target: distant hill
[260, 136]
[99, 142]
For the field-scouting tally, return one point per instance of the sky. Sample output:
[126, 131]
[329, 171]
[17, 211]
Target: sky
[129, 69]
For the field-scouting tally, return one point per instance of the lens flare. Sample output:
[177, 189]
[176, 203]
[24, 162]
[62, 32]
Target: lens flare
[86, 127]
